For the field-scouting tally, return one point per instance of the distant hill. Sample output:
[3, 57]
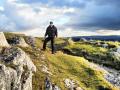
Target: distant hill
[106, 38]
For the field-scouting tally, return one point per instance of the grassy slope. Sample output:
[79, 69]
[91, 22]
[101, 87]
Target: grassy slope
[76, 68]
[100, 54]
[65, 66]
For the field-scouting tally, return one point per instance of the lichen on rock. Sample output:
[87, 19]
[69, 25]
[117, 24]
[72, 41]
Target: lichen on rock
[16, 70]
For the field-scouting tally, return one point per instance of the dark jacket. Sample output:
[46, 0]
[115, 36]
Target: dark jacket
[51, 31]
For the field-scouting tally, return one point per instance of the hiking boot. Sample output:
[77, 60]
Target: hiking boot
[53, 52]
[43, 49]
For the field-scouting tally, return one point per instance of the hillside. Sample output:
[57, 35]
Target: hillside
[96, 52]
[68, 69]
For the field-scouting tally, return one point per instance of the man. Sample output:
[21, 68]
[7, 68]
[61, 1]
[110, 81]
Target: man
[51, 33]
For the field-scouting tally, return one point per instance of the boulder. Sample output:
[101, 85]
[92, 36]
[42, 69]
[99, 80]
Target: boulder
[105, 45]
[17, 41]
[71, 84]
[70, 41]
[118, 49]
[83, 39]
[16, 72]
[3, 41]
[31, 41]
[49, 85]
[116, 53]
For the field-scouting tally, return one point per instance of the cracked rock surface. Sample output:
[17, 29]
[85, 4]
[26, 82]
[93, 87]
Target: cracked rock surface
[16, 69]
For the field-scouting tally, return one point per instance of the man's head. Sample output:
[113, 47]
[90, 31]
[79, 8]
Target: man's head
[51, 23]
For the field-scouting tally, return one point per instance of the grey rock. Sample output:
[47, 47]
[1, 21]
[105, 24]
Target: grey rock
[3, 41]
[31, 41]
[18, 41]
[71, 84]
[17, 73]
[49, 85]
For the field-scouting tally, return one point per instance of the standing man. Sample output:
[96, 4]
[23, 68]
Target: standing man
[51, 33]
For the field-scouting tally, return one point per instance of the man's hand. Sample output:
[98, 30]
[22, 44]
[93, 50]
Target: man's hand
[56, 36]
[44, 37]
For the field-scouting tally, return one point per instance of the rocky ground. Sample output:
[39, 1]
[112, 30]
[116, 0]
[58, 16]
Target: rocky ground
[113, 76]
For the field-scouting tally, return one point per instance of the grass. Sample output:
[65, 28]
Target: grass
[91, 49]
[11, 35]
[77, 68]
[94, 53]
[64, 66]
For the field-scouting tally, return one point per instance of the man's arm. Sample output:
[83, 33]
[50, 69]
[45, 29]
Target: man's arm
[46, 33]
[56, 33]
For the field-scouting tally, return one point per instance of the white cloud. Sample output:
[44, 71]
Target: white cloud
[32, 19]
[108, 32]
[26, 17]
[1, 8]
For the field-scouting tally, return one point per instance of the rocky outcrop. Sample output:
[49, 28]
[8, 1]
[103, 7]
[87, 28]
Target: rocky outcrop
[83, 39]
[113, 77]
[30, 40]
[16, 69]
[3, 41]
[116, 53]
[17, 41]
[70, 41]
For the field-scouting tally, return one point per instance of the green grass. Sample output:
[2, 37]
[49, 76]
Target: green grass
[64, 66]
[94, 53]
[116, 43]
[11, 35]
[91, 49]
[77, 68]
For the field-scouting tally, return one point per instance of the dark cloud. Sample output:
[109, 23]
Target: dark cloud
[33, 1]
[58, 3]
[99, 14]
[107, 23]
[107, 2]
[88, 14]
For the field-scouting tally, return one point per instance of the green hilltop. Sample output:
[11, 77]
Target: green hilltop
[70, 62]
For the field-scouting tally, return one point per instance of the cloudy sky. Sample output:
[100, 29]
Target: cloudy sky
[72, 17]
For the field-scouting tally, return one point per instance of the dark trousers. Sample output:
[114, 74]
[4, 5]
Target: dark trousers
[52, 43]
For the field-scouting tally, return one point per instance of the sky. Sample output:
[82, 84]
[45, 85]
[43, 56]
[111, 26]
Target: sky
[71, 17]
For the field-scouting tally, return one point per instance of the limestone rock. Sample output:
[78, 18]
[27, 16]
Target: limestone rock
[70, 41]
[83, 39]
[71, 84]
[116, 54]
[15, 72]
[105, 45]
[18, 41]
[31, 41]
[3, 41]
[45, 69]
[49, 85]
